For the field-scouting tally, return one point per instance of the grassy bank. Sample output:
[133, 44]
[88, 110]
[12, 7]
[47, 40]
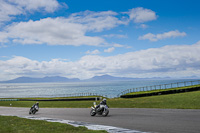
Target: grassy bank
[188, 100]
[162, 90]
[12, 124]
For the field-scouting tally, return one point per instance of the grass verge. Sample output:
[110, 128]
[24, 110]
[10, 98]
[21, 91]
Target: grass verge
[13, 124]
[187, 100]
[162, 90]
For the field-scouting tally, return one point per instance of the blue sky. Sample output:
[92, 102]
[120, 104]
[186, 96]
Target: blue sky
[82, 39]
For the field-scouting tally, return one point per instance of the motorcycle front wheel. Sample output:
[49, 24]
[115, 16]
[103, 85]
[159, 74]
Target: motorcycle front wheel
[34, 111]
[105, 113]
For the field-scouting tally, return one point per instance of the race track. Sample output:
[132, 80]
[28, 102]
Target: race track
[144, 120]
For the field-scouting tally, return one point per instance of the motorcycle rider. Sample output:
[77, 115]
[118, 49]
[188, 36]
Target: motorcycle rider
[36, 105]
[103, 102]
[34, 108]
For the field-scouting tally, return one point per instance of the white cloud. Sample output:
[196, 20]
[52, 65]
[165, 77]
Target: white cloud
[34, 5]
[96, 51]
[115, 36]
[170, 34]
[11, 8]
[70, 30]
[7, 11]
[109, 50]
[97, 21]
[143, 26]
[63, 31]
[174, 61]
[58, 31]
[141, 15]
[118, 45]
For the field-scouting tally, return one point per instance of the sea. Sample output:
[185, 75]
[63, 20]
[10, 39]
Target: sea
[109, 89]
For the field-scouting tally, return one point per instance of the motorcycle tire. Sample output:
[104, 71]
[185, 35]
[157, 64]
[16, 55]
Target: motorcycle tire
[34, 111]
[92, 113]
[105, 113]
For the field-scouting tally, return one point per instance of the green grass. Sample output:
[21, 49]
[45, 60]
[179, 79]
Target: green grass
[187, 100]
[60, 97]
[160, 90]
[49, 104]
[13, 124]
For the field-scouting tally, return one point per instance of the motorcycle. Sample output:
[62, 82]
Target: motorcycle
[34, 109]
[102, 110]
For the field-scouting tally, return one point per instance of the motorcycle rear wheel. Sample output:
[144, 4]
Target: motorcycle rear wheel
[92, 113]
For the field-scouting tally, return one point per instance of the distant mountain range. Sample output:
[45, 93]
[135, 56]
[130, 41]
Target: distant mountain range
[109, 78]
[39, 80]
[64, 79]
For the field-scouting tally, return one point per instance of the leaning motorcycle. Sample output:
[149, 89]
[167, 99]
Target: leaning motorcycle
[102, 110]
[34, 109]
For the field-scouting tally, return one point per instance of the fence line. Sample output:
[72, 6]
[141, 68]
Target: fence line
[159, 87]
[81, 95]
[64, 95]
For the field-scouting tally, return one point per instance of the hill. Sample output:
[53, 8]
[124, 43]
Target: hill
[109, 78]
[64, 79]
[39, 80]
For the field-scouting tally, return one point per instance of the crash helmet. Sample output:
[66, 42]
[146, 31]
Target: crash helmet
[104, 100]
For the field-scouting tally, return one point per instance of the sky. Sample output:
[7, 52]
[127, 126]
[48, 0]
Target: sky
[83, 39]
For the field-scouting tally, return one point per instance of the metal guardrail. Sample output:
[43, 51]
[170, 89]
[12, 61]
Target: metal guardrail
[65, 95]
[82, 95]
[71, 95]
[66, 99]
[159, 87]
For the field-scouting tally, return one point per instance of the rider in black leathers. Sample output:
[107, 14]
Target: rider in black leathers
[34, 108]
[35, 105]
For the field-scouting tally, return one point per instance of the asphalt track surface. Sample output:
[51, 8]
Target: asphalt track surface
[144, 120]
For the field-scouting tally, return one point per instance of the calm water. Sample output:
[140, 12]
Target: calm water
[110, 89]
